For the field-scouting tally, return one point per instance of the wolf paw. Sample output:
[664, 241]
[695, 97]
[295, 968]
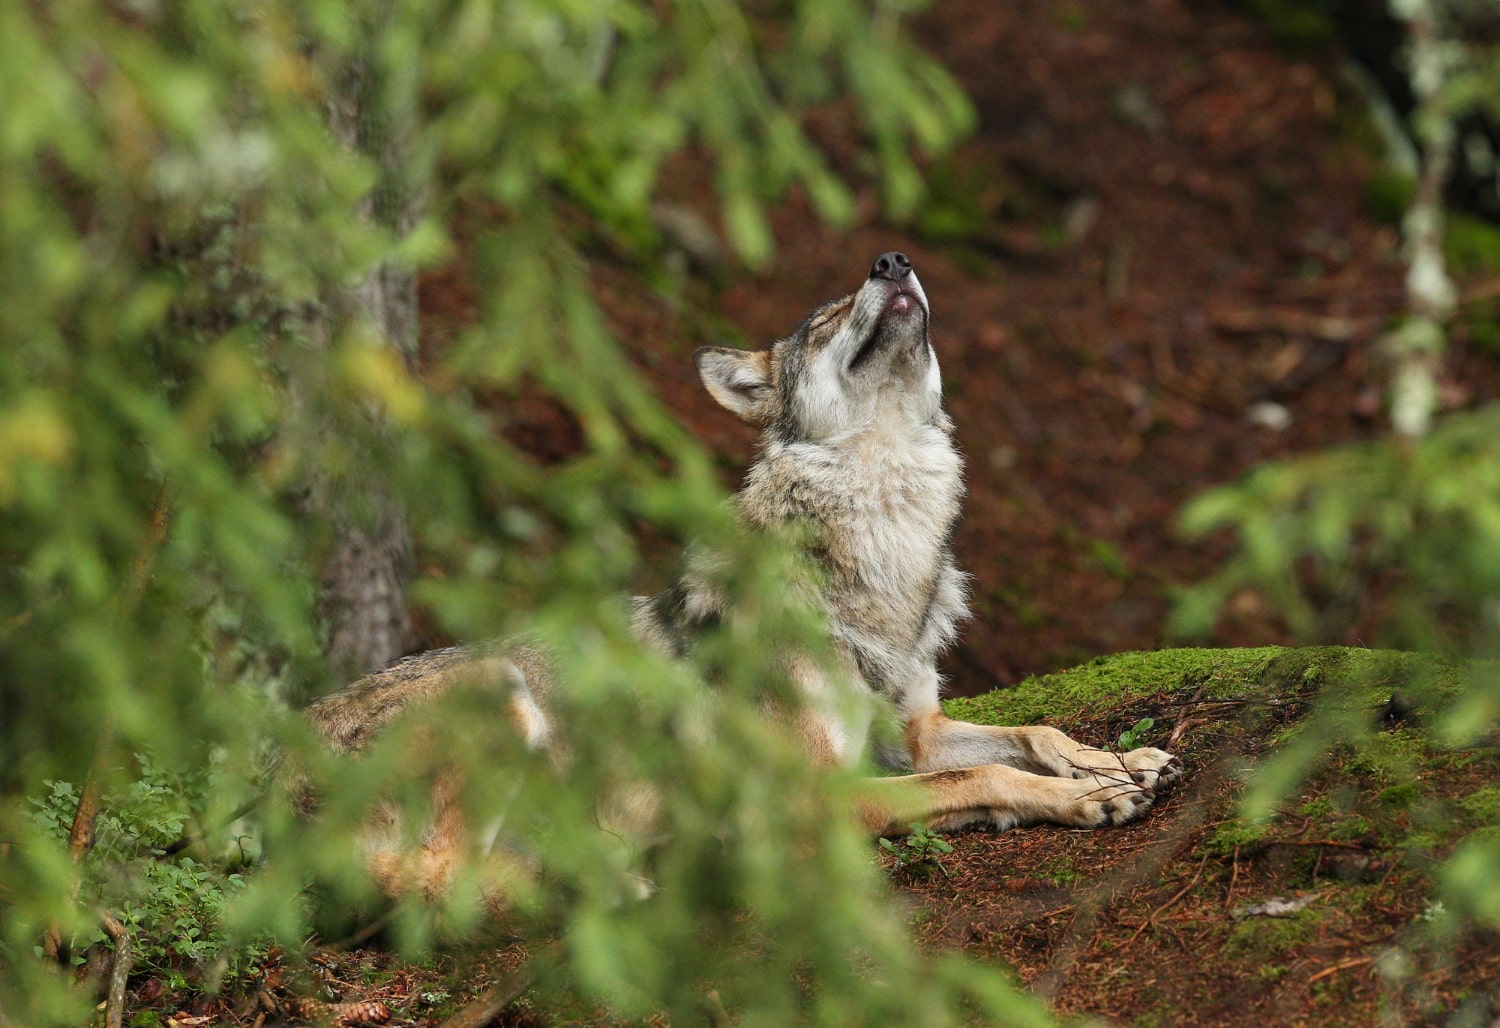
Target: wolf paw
[1105, 801]
[1153, 768]
[1147, 767]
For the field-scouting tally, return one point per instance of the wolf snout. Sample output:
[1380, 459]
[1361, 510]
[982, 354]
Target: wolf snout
[893, 266]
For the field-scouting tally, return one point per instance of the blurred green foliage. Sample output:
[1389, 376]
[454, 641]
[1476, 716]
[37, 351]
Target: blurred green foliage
[1402, 533]
[1388, 194]
[176, 217]
[1471, 245]
[1416, 522]
[1317, 534]
[1300, 27]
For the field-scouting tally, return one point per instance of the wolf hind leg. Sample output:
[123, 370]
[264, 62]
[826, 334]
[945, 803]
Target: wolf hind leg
[1001, 796]
[936, 742]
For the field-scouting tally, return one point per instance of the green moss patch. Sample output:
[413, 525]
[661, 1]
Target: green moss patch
[1265, 938]
[1482, 805]
[1372, 677]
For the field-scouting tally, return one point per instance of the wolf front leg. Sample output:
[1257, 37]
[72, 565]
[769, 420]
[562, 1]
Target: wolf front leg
[999, 796]
[935, 742]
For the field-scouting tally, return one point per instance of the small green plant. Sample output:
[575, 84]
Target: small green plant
[1061, 870]
[919, 853]
[1317, 807]
[1131, 737]
[172, 903]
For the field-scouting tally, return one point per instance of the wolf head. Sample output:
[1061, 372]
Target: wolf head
[852, 364]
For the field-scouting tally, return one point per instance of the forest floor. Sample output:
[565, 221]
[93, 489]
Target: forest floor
[1162, 259]
[1322, 915]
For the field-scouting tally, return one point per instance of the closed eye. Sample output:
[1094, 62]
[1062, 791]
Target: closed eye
[825, 317]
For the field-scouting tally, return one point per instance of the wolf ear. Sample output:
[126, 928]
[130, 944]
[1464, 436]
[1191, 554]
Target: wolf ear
[739, 379]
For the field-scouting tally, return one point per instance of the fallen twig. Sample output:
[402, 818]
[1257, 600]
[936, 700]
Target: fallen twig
[1236, 701]
[1258, 321]
[1183, 724]
[1167, 905]
[1234, 877]
[80, 835]
[1183, 721]
[503, 993]
[114, 1004]
[1342, 965]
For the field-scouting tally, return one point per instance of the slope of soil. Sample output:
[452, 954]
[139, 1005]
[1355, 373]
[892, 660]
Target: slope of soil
[1323, 914]
[1159, 241]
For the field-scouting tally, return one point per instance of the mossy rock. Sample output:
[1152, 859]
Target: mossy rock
[1376, 678]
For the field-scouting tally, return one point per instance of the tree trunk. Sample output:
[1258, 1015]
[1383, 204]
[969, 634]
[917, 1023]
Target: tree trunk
[362, 597]
[1416, 347]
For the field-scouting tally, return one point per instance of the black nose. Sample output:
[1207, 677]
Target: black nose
[894, 266]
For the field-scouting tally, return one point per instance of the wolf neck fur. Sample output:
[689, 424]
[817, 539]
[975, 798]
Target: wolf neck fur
[883, 502]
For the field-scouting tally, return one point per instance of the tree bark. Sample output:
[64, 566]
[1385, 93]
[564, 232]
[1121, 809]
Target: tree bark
[362, 599]
[1417, 345]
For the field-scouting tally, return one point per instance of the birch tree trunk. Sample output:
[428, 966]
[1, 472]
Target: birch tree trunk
[1416, 347]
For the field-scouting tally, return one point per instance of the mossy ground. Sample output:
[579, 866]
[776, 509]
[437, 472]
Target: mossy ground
[1165, 921]
[1261, 674]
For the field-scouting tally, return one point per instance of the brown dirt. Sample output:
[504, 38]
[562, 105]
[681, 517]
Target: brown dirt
[1154, 924]
[1162, 921]
[1167, 224]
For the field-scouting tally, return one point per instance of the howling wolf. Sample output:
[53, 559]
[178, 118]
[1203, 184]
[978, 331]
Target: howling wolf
[855, 443]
